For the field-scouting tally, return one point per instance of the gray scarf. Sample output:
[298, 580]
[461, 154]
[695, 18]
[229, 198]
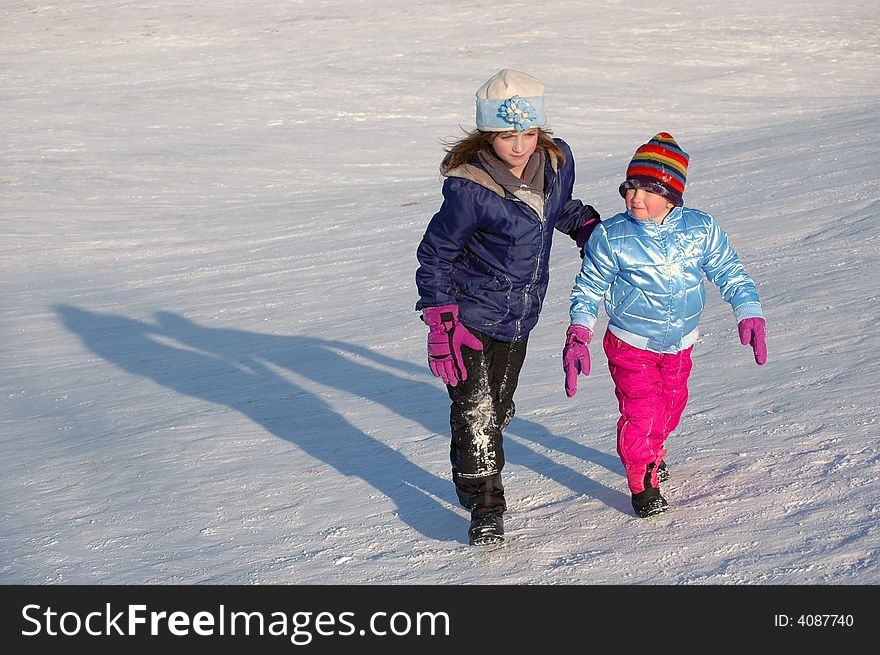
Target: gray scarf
[530, 189]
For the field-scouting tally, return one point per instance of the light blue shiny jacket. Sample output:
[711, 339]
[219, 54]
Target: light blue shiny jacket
[651, 276]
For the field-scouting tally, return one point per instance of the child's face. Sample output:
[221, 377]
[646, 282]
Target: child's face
[647, 206]
[515, 148]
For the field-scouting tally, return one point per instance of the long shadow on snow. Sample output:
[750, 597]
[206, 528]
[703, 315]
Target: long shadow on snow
[246, 372]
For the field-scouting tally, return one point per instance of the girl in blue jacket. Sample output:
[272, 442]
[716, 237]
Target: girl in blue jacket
[483, 272]
[648, 264]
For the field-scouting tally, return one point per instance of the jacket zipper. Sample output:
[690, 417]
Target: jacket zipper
[542, 224]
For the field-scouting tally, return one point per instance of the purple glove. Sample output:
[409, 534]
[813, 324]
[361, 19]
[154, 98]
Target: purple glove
[576, 356]
[446, 336]
[584, 231]
[751, 332]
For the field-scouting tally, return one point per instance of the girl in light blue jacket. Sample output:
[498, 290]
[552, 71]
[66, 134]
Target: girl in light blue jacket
[648, 264]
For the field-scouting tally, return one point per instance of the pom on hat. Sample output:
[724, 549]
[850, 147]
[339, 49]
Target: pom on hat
[659, 166]
[510, 100]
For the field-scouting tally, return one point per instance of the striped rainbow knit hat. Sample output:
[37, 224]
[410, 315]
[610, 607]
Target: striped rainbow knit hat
[659, 166]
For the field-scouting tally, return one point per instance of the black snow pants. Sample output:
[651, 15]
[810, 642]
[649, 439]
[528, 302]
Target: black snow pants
[482, 406]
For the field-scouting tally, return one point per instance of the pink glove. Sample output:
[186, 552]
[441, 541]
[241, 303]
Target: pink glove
[446, 336]
[751, 332]
[576, 356]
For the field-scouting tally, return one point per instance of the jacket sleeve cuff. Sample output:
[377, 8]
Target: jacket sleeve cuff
[586, 320]
[748, 310]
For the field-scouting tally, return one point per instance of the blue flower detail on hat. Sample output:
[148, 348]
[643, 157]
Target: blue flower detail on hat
[519, 112]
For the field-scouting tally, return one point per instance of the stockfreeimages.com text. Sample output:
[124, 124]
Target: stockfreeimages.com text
[301, 627]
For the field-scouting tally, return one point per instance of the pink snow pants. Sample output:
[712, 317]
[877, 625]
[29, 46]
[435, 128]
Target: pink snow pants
[651, 390]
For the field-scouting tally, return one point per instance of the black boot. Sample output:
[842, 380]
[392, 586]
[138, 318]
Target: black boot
[486, 530]
[662, 471]
[485, 493]
[649, 502]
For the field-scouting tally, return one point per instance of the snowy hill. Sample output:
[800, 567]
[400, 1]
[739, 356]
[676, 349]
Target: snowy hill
[212, 371]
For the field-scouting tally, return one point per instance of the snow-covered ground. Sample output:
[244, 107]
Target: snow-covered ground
[211, 368]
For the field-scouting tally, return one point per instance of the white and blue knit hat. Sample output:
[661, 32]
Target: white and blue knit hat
[510, 100]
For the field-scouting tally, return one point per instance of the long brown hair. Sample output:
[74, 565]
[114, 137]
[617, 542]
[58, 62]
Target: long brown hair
[474, 142]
